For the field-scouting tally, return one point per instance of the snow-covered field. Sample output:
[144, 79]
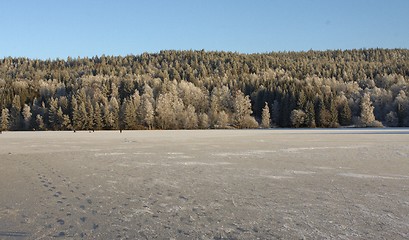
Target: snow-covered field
[211, 184]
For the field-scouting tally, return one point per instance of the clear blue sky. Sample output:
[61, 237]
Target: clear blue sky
[53, 28]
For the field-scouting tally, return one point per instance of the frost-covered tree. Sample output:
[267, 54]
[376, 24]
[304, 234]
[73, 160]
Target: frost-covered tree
[169, 111]
[402, 108]
[89, 116]
[222, 120]
[148, 114]
[129, 113]
[4, 120]
[52, 114]
[27, 117]
[242, 110]
[367, 117]
[345, 115]
[15, 113]
[310, 114]
[203, 121]
[112, 117]
[298, 118]
[98, 125]
[190, 120]
[391, 119]
[40, 122]
[265, 117]
[275, 112]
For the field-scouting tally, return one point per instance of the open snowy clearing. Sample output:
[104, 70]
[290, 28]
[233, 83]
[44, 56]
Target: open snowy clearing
[211, 184]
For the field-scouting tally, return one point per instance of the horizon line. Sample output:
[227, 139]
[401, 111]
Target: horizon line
[197, 50]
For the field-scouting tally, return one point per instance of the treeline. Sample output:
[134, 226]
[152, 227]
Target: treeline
[198, 89]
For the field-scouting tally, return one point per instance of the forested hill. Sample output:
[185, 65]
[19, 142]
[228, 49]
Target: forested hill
[199, 89]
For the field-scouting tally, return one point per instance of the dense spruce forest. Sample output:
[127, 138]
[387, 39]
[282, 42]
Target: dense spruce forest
[200, 90]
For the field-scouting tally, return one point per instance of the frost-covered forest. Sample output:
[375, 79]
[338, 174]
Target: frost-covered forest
[199, 90]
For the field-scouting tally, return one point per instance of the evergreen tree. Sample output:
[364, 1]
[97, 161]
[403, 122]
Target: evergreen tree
[60, 119]
[97, 117]
[302, 100]
[15, 114]
[333, 114]
[40, 122]
[52, 114]
[89, 115]
[76, 124]
[4, 123]
[367, 116]
[323, 115]
[169, 110]
[113, 115]
[242, 110]
[402, 108]
[203, 121]
[345, 115]
[392, 119]
[27, 117]
[222, 120]
[128, 114]
[298, 118]
[66, 122]
[275, 112]
[310, 114]
[148, 113]
[190, 118]
[265, 117]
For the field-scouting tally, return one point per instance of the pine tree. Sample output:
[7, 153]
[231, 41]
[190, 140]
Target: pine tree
[60, 119]
[190, 118]
[203, 119]
[66, 122]
[310, 115]
[113, 116]
[52, 114]
[302, 100]
[323, 116]
[298, 118]
[265, 117]
[75, 114]
[4, 120]
[128, 114]
[402, 108]
[391, 119]
[89, 115]
[97, 117]
[242, 110]
[15, 114]
[148, 113]
[345, 115]
[169, 111]
[147, 109]
[27, 116]
[367, 116]
[40, 122]
[333, 114]
[222, 120]
[275, 112]
[82, 117]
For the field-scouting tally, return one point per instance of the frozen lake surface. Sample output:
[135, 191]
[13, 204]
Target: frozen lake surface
[209, 184]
